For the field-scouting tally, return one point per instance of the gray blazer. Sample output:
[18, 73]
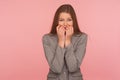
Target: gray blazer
[64, 63]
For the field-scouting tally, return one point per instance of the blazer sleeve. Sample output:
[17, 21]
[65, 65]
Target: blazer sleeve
[74, 57]
[54, 57]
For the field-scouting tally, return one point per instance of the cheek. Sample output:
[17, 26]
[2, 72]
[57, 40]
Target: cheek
[70, 23]
[60, 23]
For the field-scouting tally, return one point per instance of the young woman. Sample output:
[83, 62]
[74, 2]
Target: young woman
[64, 46]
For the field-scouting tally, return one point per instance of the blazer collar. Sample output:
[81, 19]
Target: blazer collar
[73, 39]
[55, 35]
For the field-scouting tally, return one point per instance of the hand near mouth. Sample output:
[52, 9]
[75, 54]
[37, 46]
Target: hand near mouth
[64, 34]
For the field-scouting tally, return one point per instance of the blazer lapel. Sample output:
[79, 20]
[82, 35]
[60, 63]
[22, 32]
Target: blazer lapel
[73, 39]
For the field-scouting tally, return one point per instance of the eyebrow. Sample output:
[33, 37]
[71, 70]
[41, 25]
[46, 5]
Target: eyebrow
[67, 18]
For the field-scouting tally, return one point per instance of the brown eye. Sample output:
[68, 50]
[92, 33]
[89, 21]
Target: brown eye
[60, 20]
[69, 19]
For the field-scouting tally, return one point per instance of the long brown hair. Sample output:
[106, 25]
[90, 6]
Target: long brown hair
[68, 9]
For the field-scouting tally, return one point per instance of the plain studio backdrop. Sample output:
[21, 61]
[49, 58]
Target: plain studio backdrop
[24, 22]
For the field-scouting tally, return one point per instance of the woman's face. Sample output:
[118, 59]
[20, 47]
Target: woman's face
[65, 19]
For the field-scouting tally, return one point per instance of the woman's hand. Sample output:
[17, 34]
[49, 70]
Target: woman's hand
[61, 35]
[69, 33]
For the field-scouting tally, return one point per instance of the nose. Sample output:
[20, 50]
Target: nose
[65, 23]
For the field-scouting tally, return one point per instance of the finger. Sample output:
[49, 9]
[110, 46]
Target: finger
[59, 26]
[71, 29]
[67, 27]
[62, 28]
[58, 29]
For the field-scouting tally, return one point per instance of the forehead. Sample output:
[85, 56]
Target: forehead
[64, 15]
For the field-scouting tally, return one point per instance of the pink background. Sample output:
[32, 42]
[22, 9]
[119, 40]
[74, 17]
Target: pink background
[23, 23]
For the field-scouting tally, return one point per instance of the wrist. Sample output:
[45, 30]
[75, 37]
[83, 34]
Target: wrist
[67, 43]
[61, 44]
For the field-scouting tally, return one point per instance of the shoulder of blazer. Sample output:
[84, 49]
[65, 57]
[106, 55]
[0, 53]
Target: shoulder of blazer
[83, 34]
[47, 36]
[79, 37]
